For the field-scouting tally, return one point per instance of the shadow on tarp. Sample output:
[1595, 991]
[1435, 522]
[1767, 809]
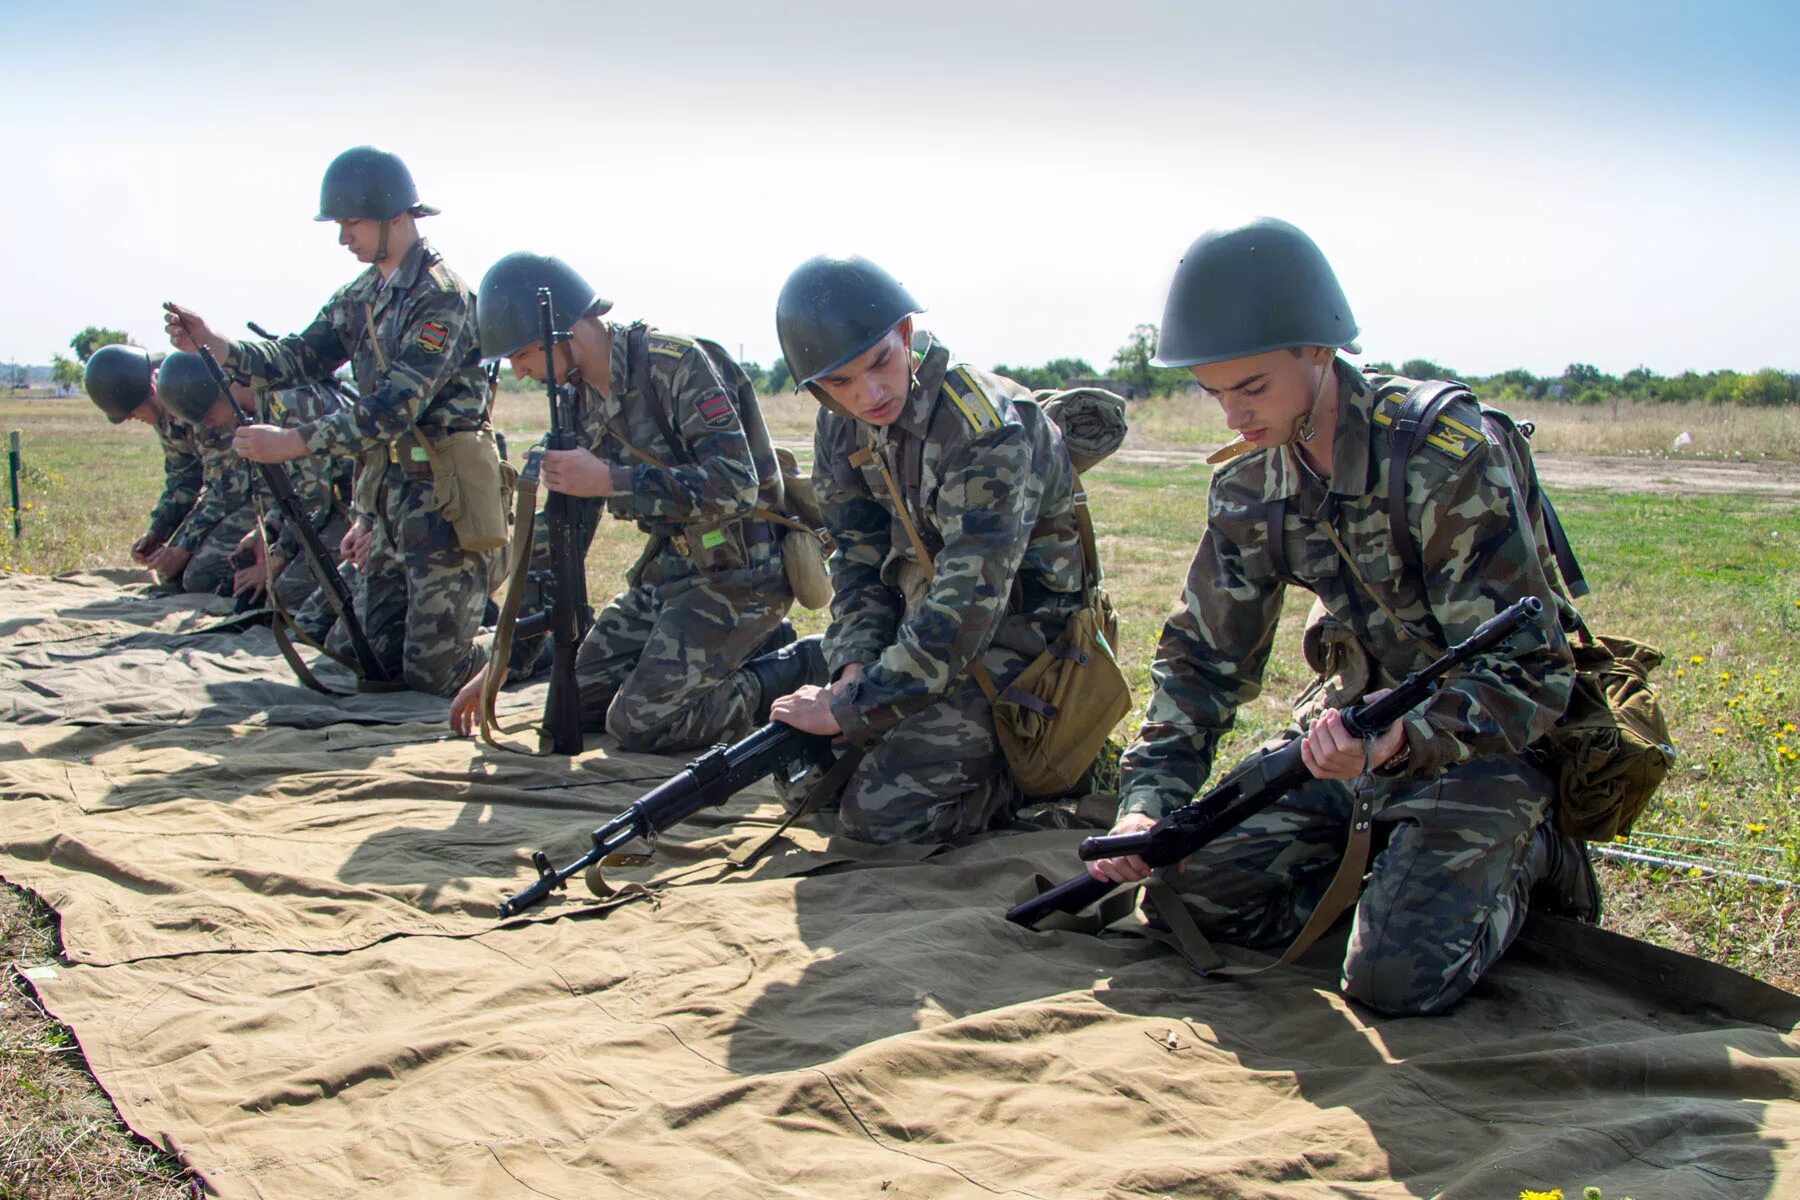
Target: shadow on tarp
[1584, 1058]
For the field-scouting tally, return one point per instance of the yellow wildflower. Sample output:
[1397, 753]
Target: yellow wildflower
[1754, 827]
[1719, 729]
[1552, 1194]
[1697, 659]
[1695, 872]
[1789, 728]
[1680, 672]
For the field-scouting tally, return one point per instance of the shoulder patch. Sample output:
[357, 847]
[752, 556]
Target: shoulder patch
[971, 400]
[1449, 434]
[670, 345]
[433, 337]
[715, 409]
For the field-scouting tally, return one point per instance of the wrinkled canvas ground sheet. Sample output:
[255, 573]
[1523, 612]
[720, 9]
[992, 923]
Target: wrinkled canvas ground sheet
[283, 964]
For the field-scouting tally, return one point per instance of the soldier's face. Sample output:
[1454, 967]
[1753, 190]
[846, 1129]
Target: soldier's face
[145, 412]
[528, 363]
[361, 238]
[873, 386]
[1265, 395]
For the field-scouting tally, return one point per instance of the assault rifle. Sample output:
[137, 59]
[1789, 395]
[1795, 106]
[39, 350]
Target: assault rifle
[318, 559]
[1260, 780]
[562, 708]
[707, 782]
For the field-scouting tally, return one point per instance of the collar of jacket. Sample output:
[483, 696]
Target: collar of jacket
[928, 380]
[369, 286]
[1352, 462]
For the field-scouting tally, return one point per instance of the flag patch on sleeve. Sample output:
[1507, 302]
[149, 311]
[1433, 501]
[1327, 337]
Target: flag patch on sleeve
[433, 337]
[716, 410]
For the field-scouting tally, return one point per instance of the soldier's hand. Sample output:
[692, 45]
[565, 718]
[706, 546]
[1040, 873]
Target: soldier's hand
[251, 541]
[143, 548]
[353, 547]
[575, 473]
[1330, 752]
[268, 443]
[465, 708]
[169, 561]
[187, 328]
[808, 710]
[1130, 868]
[250, 580]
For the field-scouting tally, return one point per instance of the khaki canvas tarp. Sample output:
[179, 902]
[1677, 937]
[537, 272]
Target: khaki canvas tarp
[284, 964]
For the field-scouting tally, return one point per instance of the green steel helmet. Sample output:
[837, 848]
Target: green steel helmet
[833, 308]
[118, 380]
[186, 388]
[366, 183]
[1259, 287]
[506, 306]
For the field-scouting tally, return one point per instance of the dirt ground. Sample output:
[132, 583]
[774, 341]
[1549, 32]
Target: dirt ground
[1662, 476]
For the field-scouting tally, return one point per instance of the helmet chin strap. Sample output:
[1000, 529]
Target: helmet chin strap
[1308, 424]
[381, 243]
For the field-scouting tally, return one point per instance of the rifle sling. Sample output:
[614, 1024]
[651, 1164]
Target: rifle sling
[829, 785]
[1184, 936]
[524, 535]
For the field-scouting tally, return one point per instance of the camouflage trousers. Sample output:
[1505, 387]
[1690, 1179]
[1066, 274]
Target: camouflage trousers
[661, 668]
[937, 776]
[295, 586]
[209, 568]
[421, 595]
[1446, 892]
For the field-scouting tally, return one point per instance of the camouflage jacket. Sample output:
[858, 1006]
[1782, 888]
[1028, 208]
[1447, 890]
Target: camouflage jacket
[183, 476]
[317, 478]
[422, 367]
[992, 499]
[225, 490]
[710, 477]
[1479, 553]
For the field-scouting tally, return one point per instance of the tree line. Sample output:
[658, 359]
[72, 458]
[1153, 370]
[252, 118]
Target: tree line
[1133, 373]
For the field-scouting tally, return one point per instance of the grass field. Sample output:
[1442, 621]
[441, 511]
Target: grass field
[1712, 580]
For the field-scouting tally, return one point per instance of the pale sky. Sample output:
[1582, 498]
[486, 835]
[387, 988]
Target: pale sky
[1520, 184]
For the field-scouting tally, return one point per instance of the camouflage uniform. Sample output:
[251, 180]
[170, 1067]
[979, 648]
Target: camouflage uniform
[221, 516]
[989, 487]
[321, 484]
[183, 476]
[660, 667]
[1457, 811]
[421, 596]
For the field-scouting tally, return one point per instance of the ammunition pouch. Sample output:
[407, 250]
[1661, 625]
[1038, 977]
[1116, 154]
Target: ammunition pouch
[1054, 718]
[473, 486]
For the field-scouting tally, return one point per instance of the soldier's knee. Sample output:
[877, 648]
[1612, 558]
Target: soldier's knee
[634, 733]
[1400, 986]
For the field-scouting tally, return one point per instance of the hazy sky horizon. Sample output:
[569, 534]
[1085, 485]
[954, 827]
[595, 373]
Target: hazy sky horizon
[1520, 185]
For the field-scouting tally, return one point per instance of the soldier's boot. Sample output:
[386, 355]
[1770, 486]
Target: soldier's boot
[786, 670]
[782, 635]
[1563, 882]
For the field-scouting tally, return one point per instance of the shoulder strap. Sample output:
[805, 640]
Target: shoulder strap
[1419, 411]
[1504, 428]
[1275, 517]
[637, 361]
